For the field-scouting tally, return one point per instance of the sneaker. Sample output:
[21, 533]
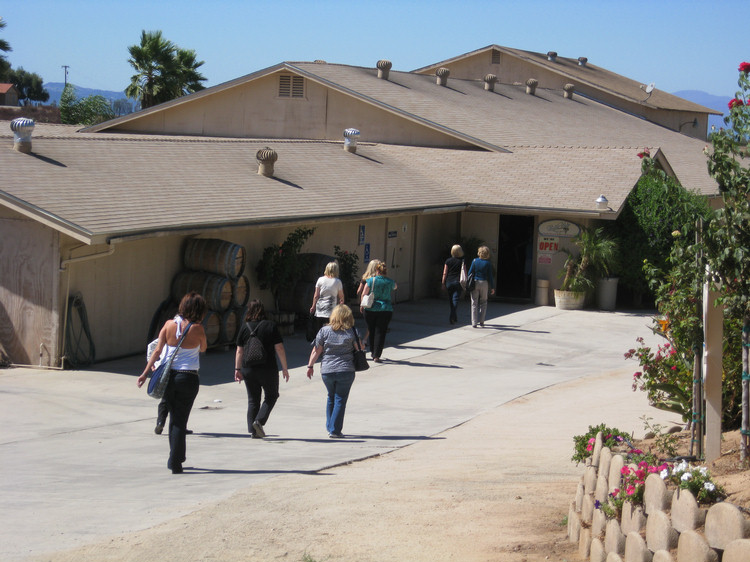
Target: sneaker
[159, 428]
[335, 436]
[258, 429]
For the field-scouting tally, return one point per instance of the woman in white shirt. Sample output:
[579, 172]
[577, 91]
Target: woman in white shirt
[183, 383]
[329, 291]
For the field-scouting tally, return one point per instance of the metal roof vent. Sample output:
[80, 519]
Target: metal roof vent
[582, 61]
[442, 74]
[320, 61]
[489, 82]
[384, 68]
[551, 56]
[531, 85]
[266, 158]
[568, 91]
[350, 140]
[22, 128]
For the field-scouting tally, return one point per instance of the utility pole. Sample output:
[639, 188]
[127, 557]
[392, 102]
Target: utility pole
[66, 67]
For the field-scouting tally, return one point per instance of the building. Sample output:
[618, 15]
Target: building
[104, 212]
[8, 95]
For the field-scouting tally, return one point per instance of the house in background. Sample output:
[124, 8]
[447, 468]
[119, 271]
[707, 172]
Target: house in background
[8, 95]
[387, 164]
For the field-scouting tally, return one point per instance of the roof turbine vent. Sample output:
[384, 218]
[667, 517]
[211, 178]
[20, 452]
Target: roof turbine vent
[442, 74]
[384, 69]
[489, 82]
[582, 61]
[22, 128]
[350, 140]
[531, 85]
[266, 158]
[552, 56]
[568, 90]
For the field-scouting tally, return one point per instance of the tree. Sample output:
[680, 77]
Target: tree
[727, 240]
[5, 48]
[86, 111]
[30, 85]
[163, 70]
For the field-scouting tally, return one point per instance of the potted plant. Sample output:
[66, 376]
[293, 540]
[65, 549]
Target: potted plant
[596, 256]
[280, 267]
[348, 267]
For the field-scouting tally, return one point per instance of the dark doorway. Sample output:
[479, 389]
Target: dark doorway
[515, 257]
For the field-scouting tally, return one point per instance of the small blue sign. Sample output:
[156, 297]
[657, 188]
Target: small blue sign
[367, 253]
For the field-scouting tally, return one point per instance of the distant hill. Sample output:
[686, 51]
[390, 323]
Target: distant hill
[719, 103]
[55, 90]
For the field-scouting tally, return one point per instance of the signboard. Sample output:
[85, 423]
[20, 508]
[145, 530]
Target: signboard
[361, 235]
[559, 228]
[367, 253]
[548, 244]
[544, 259]
[393, 234]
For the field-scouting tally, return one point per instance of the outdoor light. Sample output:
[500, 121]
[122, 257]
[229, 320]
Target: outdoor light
[602, 204]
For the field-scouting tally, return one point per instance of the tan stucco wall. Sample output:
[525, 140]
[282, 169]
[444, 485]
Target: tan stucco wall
[254, 110]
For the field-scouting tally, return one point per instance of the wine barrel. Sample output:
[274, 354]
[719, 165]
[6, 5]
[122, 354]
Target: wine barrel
[216, 290]
[231, 322]
[212, 327]
[284, 322]
[240, 291]
[215, 256]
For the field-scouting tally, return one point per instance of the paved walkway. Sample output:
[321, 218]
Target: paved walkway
[79, 460]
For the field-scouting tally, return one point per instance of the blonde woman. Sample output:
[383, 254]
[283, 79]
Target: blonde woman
[481, 267]
[452, 279]
[329, 291]
[371, 271]
[336, 343]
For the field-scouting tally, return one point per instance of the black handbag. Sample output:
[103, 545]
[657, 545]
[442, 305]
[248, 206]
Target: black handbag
[470, 280]
[360, 359]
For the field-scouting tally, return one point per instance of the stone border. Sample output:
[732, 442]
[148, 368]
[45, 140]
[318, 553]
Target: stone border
[669, 527]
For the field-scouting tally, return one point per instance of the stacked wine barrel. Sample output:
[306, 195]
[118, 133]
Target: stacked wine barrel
[214, 269]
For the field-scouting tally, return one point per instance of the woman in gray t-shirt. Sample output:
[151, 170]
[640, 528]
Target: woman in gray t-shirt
[336, 343]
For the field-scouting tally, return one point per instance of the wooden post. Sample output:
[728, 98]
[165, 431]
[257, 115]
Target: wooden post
[713, 333]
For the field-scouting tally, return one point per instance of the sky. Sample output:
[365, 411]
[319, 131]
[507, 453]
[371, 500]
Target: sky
[677, 44]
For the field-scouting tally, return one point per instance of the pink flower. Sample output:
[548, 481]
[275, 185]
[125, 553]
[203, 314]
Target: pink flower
[625, 471]
[744, 67]
[630, 490]
[640, 474]
[589, 447]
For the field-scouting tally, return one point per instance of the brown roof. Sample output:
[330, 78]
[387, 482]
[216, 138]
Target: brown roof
[5, 88]
[593, 75]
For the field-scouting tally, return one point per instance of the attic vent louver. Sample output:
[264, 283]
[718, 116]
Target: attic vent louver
[582, 61]
[552, 56]
[531, 85]
[350, 140]
[489, 82]
[442, 74]
[384, 69]
[22, 128]
[266, 158]
[568, 91]
[291, 86]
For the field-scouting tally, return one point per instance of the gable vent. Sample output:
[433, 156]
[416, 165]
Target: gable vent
[291, 86]
[495, 57]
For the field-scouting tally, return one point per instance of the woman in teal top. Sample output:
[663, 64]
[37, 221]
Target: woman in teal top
[481, 267]
[379, 316]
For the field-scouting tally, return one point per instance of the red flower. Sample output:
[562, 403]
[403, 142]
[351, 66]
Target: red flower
[734, 102]
[745, 67]
[646, 153]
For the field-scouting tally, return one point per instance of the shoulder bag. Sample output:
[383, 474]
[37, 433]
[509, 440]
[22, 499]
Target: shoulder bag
[360, 360]
[463, 278]
[369, 299]
[470, 281]
[157, 384]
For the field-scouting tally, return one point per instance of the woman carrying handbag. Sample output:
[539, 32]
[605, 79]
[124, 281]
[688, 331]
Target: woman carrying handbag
[454, 279]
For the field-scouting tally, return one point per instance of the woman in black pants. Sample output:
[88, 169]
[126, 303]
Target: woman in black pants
[264, 377]
[183, 383]
[379, 315]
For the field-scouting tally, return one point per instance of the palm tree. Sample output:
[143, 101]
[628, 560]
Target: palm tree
[164, 71]
[597, 255]
[5, 48]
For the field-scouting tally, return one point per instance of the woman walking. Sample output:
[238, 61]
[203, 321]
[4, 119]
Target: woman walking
[183, 384]
[454, 265]
[379, 315]
[369, 272]
[336, 343]
[329, 291]
[481, 267]
[261, 379]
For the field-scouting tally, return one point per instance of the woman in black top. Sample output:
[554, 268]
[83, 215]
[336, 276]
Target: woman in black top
[264, 377]
[452, 279]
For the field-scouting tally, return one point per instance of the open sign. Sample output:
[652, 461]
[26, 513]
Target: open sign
[549, 245]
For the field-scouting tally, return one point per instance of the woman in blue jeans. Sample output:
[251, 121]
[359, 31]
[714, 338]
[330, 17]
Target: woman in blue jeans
[454, 265]
[184, 382]
[336, 343]
[481, 267]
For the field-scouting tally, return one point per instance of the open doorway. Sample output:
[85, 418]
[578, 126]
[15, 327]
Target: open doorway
[515, 259]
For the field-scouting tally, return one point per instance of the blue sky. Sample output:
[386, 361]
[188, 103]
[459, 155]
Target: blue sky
[678, 44]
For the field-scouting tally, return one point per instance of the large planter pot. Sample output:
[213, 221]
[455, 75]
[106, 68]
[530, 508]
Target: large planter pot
[606, 293]
[569, 300]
